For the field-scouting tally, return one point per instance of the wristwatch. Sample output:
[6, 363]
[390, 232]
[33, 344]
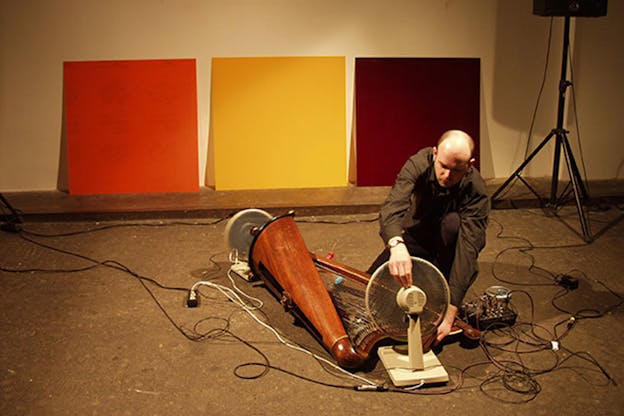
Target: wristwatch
[395, 241]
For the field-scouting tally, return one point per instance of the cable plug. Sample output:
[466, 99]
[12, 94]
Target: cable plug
[192, 300]
[369, 387]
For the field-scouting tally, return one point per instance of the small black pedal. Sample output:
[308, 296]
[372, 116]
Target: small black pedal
[569, 282]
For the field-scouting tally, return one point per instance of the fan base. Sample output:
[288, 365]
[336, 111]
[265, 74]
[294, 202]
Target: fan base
[398, 367]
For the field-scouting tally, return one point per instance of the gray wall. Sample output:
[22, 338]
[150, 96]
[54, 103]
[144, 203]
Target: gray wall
[37, 36]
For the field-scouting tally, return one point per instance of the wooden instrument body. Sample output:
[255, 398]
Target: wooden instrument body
[279, 256]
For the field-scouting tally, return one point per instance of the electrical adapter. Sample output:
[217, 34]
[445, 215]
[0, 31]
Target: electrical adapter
[242, 270]
[192, 300]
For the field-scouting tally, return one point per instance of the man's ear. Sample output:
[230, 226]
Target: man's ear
[471, 161]
[434, 151]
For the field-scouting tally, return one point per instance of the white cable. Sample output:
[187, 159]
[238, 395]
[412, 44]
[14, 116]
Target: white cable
[258, 301]
[305, 351]
[228, 293]
[417, 386]
[231, 295]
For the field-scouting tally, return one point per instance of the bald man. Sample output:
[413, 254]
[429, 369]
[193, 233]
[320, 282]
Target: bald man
[437, 210]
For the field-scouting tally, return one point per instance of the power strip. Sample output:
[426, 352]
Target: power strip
[243, 271]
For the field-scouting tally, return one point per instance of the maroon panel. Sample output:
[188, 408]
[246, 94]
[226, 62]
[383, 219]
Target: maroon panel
[405, 104]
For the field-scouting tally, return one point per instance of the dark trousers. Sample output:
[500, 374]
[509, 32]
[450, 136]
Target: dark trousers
[432, 242]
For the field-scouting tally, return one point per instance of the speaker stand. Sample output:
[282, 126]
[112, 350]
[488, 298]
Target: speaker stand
[561, 144]
[10, 221]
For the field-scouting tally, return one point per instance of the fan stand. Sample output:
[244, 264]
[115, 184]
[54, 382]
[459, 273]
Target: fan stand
[414, 367]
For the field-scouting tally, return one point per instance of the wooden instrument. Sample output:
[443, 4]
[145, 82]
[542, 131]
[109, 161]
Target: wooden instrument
[278, 255]
[304, 284]
[348, 298]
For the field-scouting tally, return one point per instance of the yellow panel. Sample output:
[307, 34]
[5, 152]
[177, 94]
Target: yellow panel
[278, 122]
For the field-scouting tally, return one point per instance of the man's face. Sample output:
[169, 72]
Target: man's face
[449, 169]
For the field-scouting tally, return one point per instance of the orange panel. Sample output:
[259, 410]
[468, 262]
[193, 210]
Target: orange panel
[131, 126]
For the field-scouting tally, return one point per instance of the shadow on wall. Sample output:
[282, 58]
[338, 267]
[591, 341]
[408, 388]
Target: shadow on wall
[520, 58]
[593, 103]
[598, 60]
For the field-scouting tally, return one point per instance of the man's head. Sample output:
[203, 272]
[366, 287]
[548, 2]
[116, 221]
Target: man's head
[452, 157]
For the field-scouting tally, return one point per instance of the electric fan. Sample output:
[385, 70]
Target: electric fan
[241, 229]
[409, 314]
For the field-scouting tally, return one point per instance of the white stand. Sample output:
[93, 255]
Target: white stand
[398, 368]
[414, 367]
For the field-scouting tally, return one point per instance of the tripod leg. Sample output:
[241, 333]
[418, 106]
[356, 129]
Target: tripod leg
[523, 165]
[569, 158]
[11, 221]
[16, 214]
[555, 175]
[574, 167]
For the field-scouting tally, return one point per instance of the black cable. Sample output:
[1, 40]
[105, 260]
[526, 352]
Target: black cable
[584, 355]
[515, 381]
[525, 250]
[143, 280]
[266, 367]
[556, 278]
[40, 270]
[513, 375]
[519, 379]
[521, 339]
[192, 334]
[358, 387]
[125, 225]
[95, 263]
[587, 313]
[354, 221]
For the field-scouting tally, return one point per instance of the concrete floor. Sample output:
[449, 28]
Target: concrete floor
[101, 341]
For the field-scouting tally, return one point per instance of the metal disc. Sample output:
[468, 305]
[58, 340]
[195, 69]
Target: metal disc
[381, 301]
[241, 228]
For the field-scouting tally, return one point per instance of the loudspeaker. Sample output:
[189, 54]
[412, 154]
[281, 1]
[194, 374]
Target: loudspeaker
[579, 8]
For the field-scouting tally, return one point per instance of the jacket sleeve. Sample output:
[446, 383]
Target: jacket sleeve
[398, 201]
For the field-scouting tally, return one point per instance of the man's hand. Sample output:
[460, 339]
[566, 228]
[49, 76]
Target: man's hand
[445, 327]
[400, 265]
